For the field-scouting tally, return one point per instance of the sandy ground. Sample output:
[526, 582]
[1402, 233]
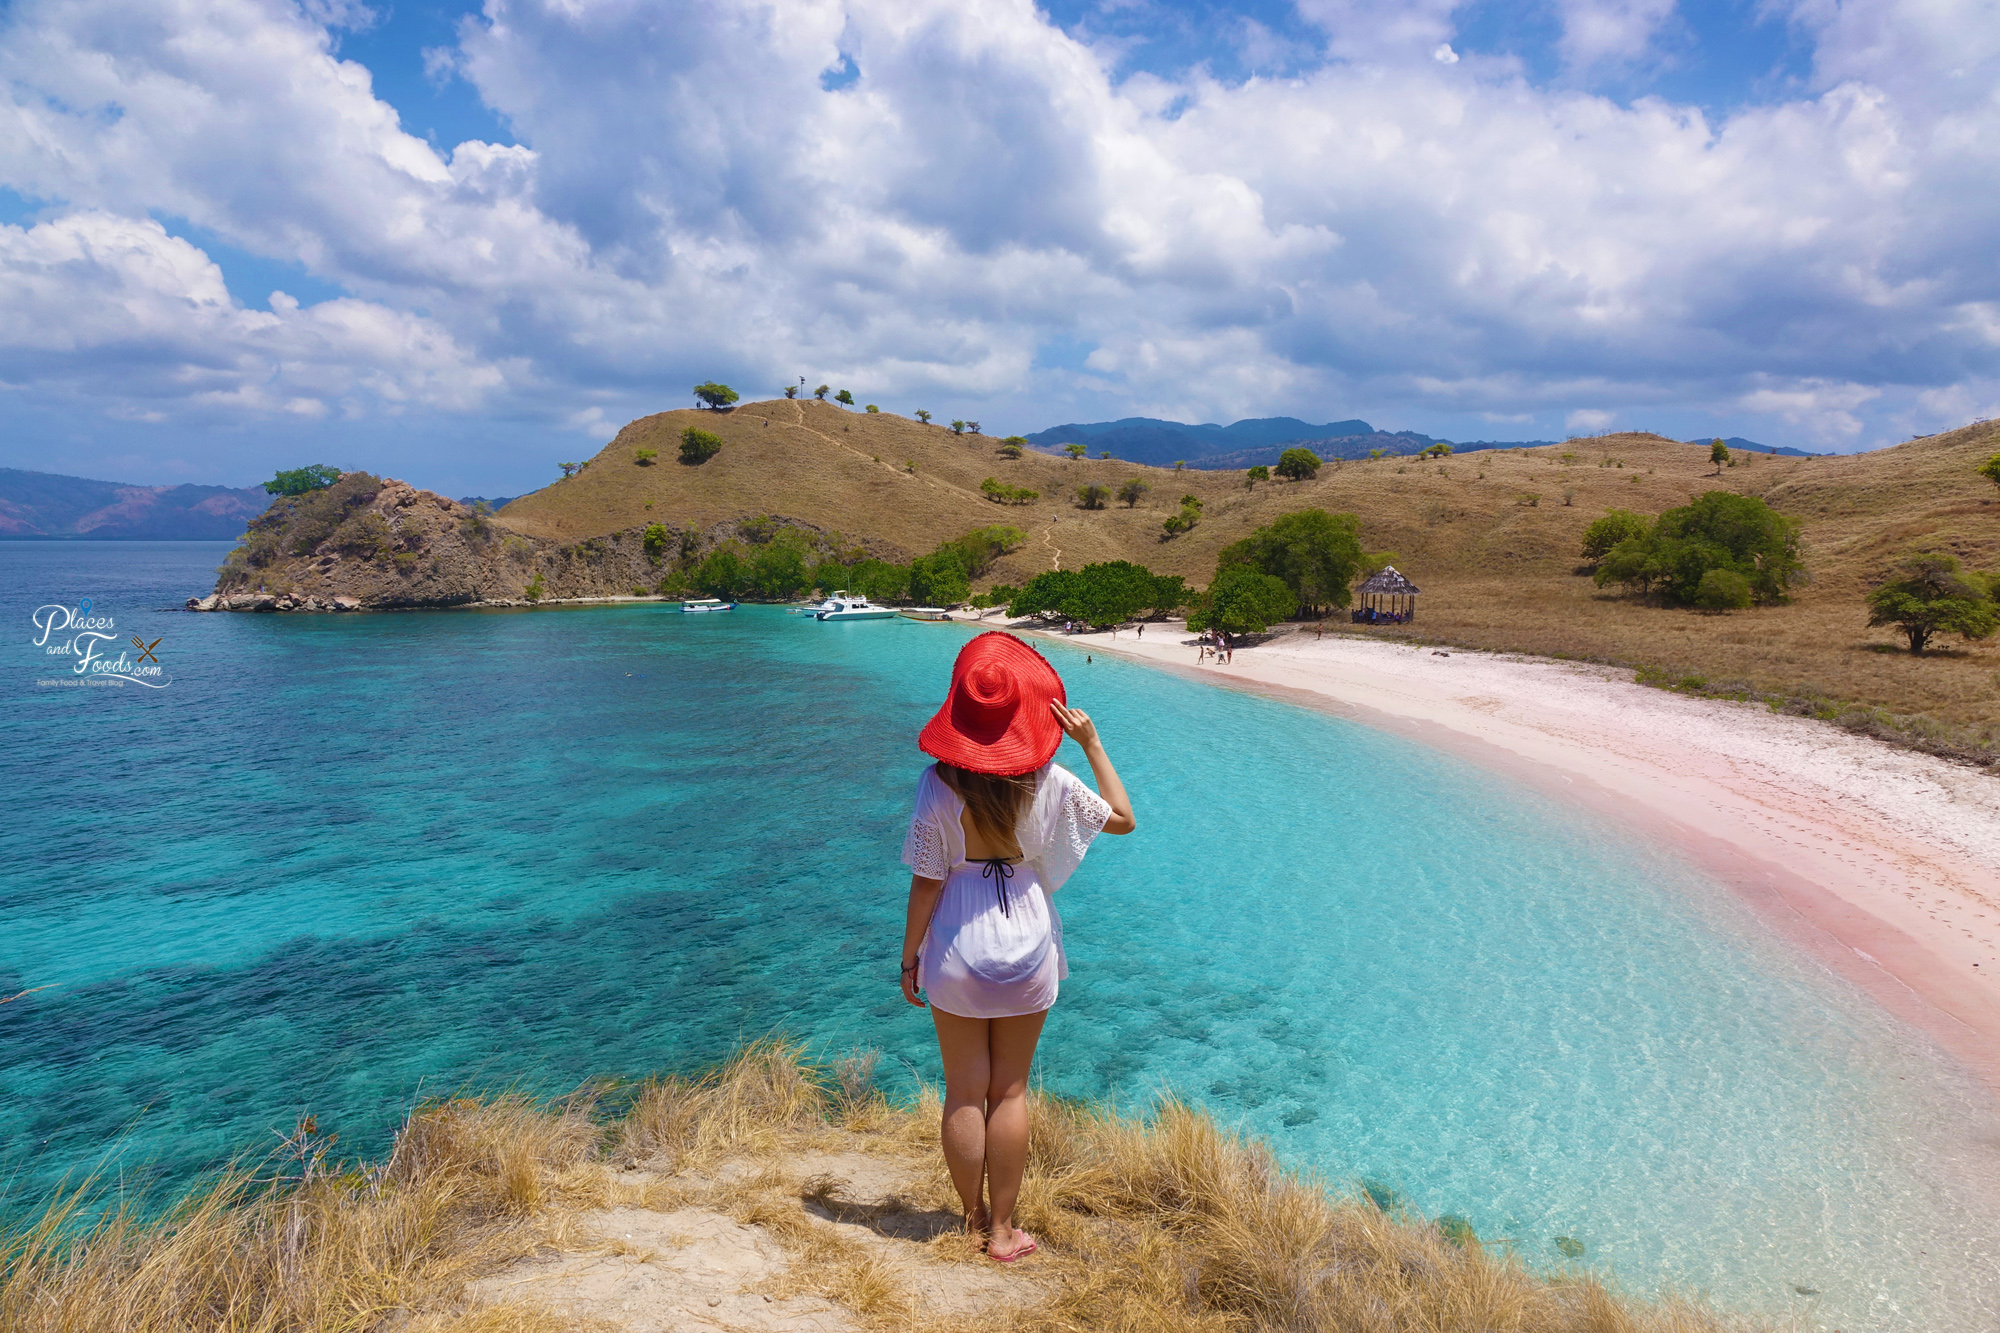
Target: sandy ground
[1883, 862]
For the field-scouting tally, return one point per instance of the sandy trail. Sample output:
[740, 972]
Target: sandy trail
[1883, 862]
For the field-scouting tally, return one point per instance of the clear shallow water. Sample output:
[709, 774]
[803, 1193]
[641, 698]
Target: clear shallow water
[344, 861]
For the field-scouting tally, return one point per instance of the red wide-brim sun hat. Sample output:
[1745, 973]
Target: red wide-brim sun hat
[997, 718]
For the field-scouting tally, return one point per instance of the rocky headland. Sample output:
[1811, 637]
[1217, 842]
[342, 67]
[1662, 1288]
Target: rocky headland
[370, 543]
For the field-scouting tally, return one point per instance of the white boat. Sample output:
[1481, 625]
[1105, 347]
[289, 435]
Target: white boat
[706, 604]
[924, 613]
[850, 606]
[814, 608]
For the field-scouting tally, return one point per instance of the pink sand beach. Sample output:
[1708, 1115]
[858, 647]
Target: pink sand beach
[1882, 862]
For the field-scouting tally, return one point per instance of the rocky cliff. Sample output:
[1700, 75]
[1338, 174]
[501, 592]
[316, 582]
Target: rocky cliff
[369, 543]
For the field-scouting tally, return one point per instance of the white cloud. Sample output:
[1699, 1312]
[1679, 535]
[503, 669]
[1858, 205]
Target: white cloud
[1389, 231]
[108, 309]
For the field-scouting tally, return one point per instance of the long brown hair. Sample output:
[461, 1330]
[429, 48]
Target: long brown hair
[995, 803]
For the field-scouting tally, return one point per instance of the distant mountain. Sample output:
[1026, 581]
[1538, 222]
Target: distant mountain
[1244, 444]
[1737, 442]
[1164, 443]
[44, 504]
[493, 503]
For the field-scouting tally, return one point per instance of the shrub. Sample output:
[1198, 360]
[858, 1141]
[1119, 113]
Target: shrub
[871, 408]
[534, 591]
[716, 396]
[655, 541]
[302, 480]
[844, 397]
[1722, 590]
[698, 445]
[1242, 601]
[1074, 450]
[1990, 469]
[1615, 526]
[778, 570]
[1932, 597]
[978, 549]
[1133, 491]
[1185, 519]
[1104, 453]
[1720, 530]
[1438, 450]
[569, 469]
[1255, 475]
[1298, 464]
[645, 457]
[1001, 493]
[791, 391]
[1093, 495]
[1718, 454]
[821, 392]
[1010, 450]
[720, 574]
[923, 416]
[939, 579]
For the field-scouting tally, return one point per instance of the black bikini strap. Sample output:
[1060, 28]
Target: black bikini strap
[999, 872]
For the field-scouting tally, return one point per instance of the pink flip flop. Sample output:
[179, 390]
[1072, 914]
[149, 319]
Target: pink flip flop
[1021, 1253]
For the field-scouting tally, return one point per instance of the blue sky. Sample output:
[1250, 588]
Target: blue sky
[457, 243]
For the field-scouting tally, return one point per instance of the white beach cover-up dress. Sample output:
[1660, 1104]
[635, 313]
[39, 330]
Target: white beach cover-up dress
[994, 946]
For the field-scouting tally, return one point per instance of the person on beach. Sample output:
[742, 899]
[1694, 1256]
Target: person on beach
[998, 827]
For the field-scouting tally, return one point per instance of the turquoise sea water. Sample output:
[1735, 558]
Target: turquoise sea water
[344, 862]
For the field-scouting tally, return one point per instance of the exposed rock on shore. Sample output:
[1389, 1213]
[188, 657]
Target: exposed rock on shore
[366, 543]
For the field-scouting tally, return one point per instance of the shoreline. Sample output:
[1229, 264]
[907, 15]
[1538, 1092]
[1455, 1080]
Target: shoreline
[1882, 863]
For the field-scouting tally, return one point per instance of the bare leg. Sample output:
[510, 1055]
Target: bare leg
[967, 1074]
[1012, 1053]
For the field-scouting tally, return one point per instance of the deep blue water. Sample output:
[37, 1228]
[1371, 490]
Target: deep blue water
[340, 863]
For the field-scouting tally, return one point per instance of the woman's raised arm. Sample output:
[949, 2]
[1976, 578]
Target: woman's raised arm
[1076, 724]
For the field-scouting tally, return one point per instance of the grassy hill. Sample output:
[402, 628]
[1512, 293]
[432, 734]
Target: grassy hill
[1491, 537]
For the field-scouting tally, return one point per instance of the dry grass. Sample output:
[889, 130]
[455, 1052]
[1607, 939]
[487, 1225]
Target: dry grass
[1497, 572]
[1169, 1224]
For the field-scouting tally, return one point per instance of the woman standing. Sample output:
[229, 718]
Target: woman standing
[997, 829]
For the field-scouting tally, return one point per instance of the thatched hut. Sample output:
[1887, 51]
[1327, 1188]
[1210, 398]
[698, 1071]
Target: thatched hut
[1387, 593]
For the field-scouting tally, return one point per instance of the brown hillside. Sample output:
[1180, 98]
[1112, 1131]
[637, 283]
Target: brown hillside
[1488, 536]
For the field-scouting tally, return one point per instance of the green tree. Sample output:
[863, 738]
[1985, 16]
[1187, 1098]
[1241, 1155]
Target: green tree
[1438, 450]
[1242, 601]
[1074, 450]
[1255, 475]
[879, 581]
[1132, 492]
[822, 391]
[717, 396]
[778, 571]
[978, 549]
[844, 397]
[1313, 553]
[1298, 464]
[655, 541]
[871, 408]
[1170, 593]
[1633, 562]
[957, 427]
[1018, 441]
[1720, 530]
[791, 391]
[1615, 526]
[720, 574]
[1111, 593]
[1931, 597]
[1990, 469]
[568, 469]
[304, 480]
[1722, 590]
[939, 579]
[1046, 593]
[1718, 454]
[923, 416]
[698, 445]
[1104, 453]
[1010, 450]
[1093, 495]
[972, 426]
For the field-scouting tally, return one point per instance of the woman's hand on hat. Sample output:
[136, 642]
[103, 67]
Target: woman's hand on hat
[1076, 724]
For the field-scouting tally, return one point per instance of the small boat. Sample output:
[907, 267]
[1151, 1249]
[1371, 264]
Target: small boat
[924, 613]
[849, 606]
[706, 604]
[814, 608]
